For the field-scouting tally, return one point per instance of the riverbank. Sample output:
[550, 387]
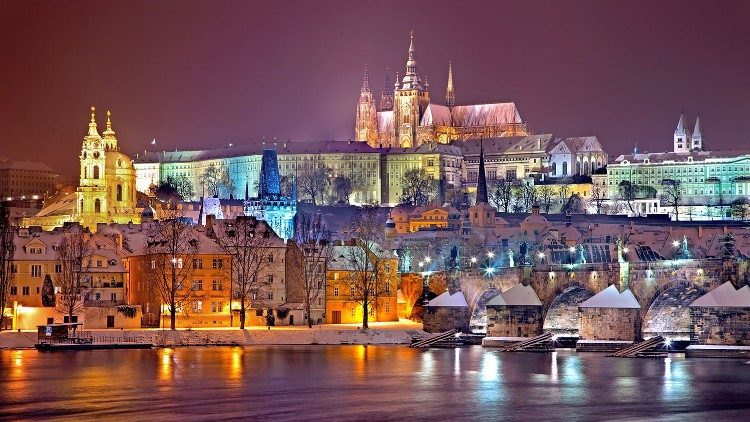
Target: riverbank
[379, 333]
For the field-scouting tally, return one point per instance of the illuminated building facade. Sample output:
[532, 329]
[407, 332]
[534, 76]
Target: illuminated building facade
[107, 189]
[706, 182]
[407, 118]
[26, 180]
[270, 205]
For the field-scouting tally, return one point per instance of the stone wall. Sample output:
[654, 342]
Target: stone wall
[514, 321]
[609, 324]
[725, 326]
[438, 319]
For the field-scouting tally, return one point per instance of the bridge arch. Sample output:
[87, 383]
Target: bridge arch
[665, 312]
[560, 312]
[478, 319]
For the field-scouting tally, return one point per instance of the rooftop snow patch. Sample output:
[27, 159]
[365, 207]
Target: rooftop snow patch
[517, 295]
[725, 296]
[447, 299]
[611, 298]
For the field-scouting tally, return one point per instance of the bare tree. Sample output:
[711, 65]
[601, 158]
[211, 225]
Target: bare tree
[529, 195]
[313, 181]
[574, 205]
[368, 281]
[314, 240]
[740, 208]
[518, 199]
[215, 178]
[249, 243]
[627, 193]
[501, 194]
[598, 195]
[74, 261]
[342, 189]
[171, 247]
[671, 195]
[419, 187]
[545, 195]
[7, 248]
[183, 186]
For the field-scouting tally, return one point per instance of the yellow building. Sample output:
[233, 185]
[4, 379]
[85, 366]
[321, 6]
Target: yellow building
[106, 191]
[410, 219]
[343, 291]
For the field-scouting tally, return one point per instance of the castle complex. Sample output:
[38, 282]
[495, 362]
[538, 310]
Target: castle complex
[407, 118]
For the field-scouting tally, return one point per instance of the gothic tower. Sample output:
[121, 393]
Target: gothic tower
[366, 129]
[410, 99]
[450, 96]
[386, 96]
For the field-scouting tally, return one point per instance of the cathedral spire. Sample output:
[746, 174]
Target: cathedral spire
[482, 196]
[366, 82]
[109, 132]
[411, 78]
[386, 96]
[697, 138]
[450, 97]
[92, 124]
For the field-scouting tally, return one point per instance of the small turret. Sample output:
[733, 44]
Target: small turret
[697, 138]
[450, 97]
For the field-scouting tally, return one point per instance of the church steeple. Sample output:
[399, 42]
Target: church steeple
[386, 96]
[450, 97]
[109, 134]
[366, 129]
[697, 138]
[482, 196]
[93, 131]
[681, 136]
[411, 78]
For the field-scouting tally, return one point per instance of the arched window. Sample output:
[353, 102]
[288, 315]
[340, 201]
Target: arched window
[565, 168]
[119, 192]
[96, 172]
[554, 169]
[586, 167]
[81, 205]
[97, 206]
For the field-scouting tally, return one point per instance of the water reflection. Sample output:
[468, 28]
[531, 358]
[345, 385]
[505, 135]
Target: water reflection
[357, 382]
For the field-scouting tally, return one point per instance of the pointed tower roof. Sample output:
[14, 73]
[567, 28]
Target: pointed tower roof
[450, 97]
[386, 96]
[680, 130]
[411, 78]
[366, 82]
[697, 129]
[109, 133]
[93, 131]
[482, 196]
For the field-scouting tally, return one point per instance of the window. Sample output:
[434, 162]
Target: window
[351, 291]
[113, 297]
[270, 258]
[99, 263]
[197, 263]
[387, 287]
[269, 278]
[198, 306]
[351, 312]
[197, 284]
[13, 291]
[58, 268]
[36, 270]
[97, 206]
[153, 264]
[25, 290]
[97, 296]
[335, 276]
[387, 307]
[218, 263]
[96, 172]
[336, 292]
[270, 295]
[119, 192]
[216, 285]
[259, 312]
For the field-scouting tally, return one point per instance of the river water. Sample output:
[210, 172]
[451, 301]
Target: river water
[366, 382]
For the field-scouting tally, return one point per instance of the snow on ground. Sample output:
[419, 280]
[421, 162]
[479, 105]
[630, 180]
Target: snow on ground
[611, 298]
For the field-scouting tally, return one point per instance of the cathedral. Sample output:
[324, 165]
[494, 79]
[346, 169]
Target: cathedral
[406, 117]
[106, 190]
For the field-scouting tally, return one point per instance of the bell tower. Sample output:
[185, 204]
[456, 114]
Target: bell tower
[410, 101]
[91, 195]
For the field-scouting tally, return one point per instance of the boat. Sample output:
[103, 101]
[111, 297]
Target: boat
[67, 336]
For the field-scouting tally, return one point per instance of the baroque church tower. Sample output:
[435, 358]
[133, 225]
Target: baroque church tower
[410, 100]
[106, 192]
[367, 123]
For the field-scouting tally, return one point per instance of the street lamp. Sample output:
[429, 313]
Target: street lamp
[676, 244]
[473, 259]
[490, 254]
[427, 259]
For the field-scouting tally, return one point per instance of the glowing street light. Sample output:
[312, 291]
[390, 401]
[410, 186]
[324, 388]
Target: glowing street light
[572, 249]
[473, 260]
[421, 264]
[427, 259]
[490, 254]
[489, 270]
[541, 255]
[676, 244]
[625, 250]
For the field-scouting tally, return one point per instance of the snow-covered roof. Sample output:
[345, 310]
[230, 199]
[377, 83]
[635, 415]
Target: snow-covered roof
[447, 299]
[25, 165]
[518, 295]
[436, 115]
[485, 114]
[725, 296]
[611, 298]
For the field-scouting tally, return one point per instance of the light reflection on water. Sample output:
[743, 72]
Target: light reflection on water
[365, 382]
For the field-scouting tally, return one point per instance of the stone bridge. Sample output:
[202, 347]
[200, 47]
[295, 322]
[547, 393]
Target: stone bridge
[662, 288]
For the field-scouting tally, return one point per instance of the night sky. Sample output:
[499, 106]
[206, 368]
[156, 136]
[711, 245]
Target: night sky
[202, 74]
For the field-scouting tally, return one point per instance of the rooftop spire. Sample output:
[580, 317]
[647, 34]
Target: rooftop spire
[109, 132]
[411, 78]
[386, 96]
[450, 97]
[697, 130]
[366, 81]
[92, 124]
[482, 196]
[680, 124]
